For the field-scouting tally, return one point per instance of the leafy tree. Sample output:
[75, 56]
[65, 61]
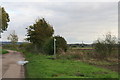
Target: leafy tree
[13, 37]
[39, 32]
[4, 19]
[61, 45]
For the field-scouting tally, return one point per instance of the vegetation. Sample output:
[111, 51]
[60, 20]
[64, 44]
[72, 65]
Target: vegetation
[105, 47]
[13, 37]
[41, 66]
[2, 51]
[41, 38]
[4, 18]
[39, 32]
[60, 43]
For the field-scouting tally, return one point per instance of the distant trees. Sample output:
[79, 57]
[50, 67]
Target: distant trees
[39, 32]
[4, 19]
[13, 38]
[105, 47]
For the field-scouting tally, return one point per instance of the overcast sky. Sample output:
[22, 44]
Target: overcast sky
[75, 21]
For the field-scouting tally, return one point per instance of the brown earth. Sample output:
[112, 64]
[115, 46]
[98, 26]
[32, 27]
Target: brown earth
[111, 66]
[114, 67]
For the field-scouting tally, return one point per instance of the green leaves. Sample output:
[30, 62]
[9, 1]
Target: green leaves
[39, 32]
[61, 45]
[4, 19]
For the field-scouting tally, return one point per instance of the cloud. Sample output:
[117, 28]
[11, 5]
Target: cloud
[76, 21]
[59, 0]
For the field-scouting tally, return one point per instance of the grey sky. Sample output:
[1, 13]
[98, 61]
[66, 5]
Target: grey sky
[75, 21]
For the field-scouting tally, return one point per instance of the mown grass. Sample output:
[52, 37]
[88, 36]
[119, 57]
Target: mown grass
[40, 66]
[2, 51]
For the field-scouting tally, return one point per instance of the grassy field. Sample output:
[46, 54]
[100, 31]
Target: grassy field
[41, 66]
[2, 51]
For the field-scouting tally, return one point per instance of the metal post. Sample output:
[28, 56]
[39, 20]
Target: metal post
[54, 47]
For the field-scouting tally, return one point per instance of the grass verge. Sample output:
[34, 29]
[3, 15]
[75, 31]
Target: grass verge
[2, 51]
[41, 66]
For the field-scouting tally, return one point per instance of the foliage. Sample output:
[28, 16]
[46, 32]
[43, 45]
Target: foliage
[13, 37]
[39, 32]
[2, 51]
[105, 47]
[49, 46]
[4, 19]
[60, 43]
[29, 47]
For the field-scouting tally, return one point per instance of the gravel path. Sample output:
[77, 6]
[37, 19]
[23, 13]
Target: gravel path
[10, 67]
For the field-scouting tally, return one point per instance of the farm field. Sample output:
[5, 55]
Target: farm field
[88, 55]
[41, 66]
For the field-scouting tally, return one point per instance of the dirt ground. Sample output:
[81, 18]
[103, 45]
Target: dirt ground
[114, 67]
[10, 67]
[111, 66]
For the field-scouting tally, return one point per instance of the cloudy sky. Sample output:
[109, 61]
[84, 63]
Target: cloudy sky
[75, 21]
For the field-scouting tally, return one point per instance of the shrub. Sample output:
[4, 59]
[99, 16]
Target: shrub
[61, 45]
[100, 49]
[10, 46]
[29, 47]
[48, 46]
[105, 47]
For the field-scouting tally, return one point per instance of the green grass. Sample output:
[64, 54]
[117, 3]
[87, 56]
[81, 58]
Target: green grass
[2, 51]
[40, 66]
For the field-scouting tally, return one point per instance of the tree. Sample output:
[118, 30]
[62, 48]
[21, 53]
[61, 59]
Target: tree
[39, 32]
[4, 19]
[13, 37]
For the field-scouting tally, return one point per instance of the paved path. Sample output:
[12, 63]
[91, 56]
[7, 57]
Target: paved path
[10, 68]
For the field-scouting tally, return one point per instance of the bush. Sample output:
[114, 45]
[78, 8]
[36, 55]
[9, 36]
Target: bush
[48, 46]
[105, 47]
[4, 51]
[10, 46]
[61, 45]
[100, 49]
[29, 47]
